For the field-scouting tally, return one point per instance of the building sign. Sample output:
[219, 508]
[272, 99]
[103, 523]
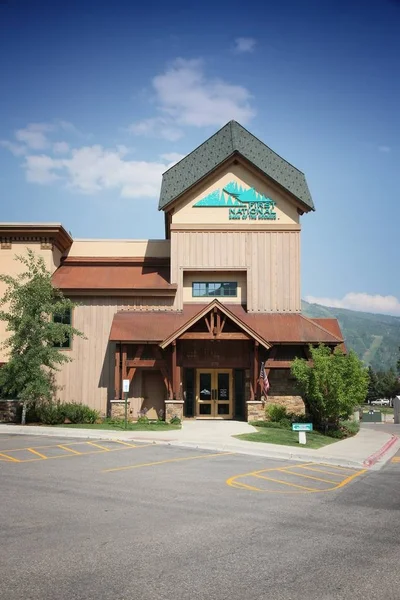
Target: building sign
[243, 203]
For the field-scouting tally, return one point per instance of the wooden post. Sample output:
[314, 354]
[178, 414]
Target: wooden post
[124, 359]
[256, 370]
[117, 373]
[174, 372]
[252, 371]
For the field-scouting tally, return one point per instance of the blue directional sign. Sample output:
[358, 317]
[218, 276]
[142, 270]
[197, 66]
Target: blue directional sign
[302, 427]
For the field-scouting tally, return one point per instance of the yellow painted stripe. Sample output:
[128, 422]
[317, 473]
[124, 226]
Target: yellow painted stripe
[309, 476]
[348, 469]
[98, 446]
[396, 459]
[170, 460]
[40, 447]
[9, 458]
[350, 478]
[302, 487]
[37, 453]
[337, 474]
[124, 443]
[68, 449]
[79, 453]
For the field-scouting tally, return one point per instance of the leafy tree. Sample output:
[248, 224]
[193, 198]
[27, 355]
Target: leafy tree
[373, 386]
[332, 386]
[388, 384]
[28, 307]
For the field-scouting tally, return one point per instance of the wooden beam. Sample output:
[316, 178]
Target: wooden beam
[131, 373]
[139, 351]
[117, 373]
[223, 323]
[218, 323]
[147, 363]
[281, 364]
[201, 335]
[208, 324]
[164, 369]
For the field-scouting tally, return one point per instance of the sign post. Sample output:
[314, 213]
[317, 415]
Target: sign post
[125, 389]
[302, 428]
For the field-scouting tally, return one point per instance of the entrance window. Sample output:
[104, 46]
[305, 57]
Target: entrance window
[214, 289]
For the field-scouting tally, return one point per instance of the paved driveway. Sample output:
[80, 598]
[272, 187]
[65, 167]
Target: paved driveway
[108, 520]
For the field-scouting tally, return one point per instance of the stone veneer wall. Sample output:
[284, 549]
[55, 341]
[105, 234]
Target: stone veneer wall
[283, 391]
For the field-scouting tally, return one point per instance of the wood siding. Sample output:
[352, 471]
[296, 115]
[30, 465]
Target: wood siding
[89, 378]
[271, 259]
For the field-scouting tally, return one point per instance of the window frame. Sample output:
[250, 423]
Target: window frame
[69, 340]
[214, 283]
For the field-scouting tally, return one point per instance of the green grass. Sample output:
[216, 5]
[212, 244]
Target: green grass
[155, 426]
[286, 437]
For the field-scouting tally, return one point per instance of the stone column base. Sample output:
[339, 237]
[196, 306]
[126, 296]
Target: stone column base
[118, 409]
[255, 410]
[174, 408]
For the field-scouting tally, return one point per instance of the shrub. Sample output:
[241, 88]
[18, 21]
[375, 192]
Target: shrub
[50, 413]
[175, 420]
[276, 412]
[80, 413]
[269, 424]
[344, 430]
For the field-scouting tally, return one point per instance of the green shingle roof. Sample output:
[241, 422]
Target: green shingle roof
[231, 139]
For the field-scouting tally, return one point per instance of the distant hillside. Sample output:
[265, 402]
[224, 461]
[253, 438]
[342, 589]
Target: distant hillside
[375, 338]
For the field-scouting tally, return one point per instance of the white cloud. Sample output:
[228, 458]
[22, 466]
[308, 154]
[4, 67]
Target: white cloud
[16, 149]
[157, 127]
[185, 96]
[172, 157]
[41, 169]
[34, 135]
[60, 147]
[244, 44]
[90, 169]
[384, 149]
[364, 302]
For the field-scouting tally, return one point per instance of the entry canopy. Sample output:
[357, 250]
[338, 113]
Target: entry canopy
[163, 327]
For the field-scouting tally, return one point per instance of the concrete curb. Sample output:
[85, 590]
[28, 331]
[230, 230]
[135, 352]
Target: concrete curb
[373, 462]
[376, 456]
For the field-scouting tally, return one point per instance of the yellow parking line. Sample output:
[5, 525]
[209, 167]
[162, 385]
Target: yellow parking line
[350, 478]
[40, 447]
[38, 453]
[9, 458]
[125, 443]
[302, 487]
[68, 449]
[322, 471]
[98, 446]
[348, 469]
[396, 459]
[309, 476]
[170, 460]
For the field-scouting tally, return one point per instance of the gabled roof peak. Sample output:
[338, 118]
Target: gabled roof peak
[232, 139]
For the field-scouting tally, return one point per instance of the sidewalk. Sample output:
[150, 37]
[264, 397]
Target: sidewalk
[368, 449]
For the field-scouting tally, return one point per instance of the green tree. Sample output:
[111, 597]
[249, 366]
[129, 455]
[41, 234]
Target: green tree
[28, 307]
[388, 384]
[332, 386]
[373, 386]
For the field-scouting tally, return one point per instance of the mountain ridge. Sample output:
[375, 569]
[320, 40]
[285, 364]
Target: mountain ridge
[374, 337]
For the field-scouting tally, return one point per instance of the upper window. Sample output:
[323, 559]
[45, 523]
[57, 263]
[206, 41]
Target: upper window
[214, 289]
[66, 319]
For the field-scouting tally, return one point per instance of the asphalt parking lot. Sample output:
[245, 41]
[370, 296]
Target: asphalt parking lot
[111, 520]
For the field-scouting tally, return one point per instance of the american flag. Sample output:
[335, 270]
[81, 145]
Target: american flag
[264, 383]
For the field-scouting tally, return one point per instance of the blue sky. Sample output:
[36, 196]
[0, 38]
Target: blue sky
[98, 98]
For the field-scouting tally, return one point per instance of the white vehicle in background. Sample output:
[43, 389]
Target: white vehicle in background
[381, 402]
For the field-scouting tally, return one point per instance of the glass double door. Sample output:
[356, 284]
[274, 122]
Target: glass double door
[214, 394]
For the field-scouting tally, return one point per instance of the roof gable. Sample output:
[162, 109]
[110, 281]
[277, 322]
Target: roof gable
[232, 139]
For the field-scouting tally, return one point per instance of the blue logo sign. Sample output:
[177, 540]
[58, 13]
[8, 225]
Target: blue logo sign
[243, 203]
[302, 427]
